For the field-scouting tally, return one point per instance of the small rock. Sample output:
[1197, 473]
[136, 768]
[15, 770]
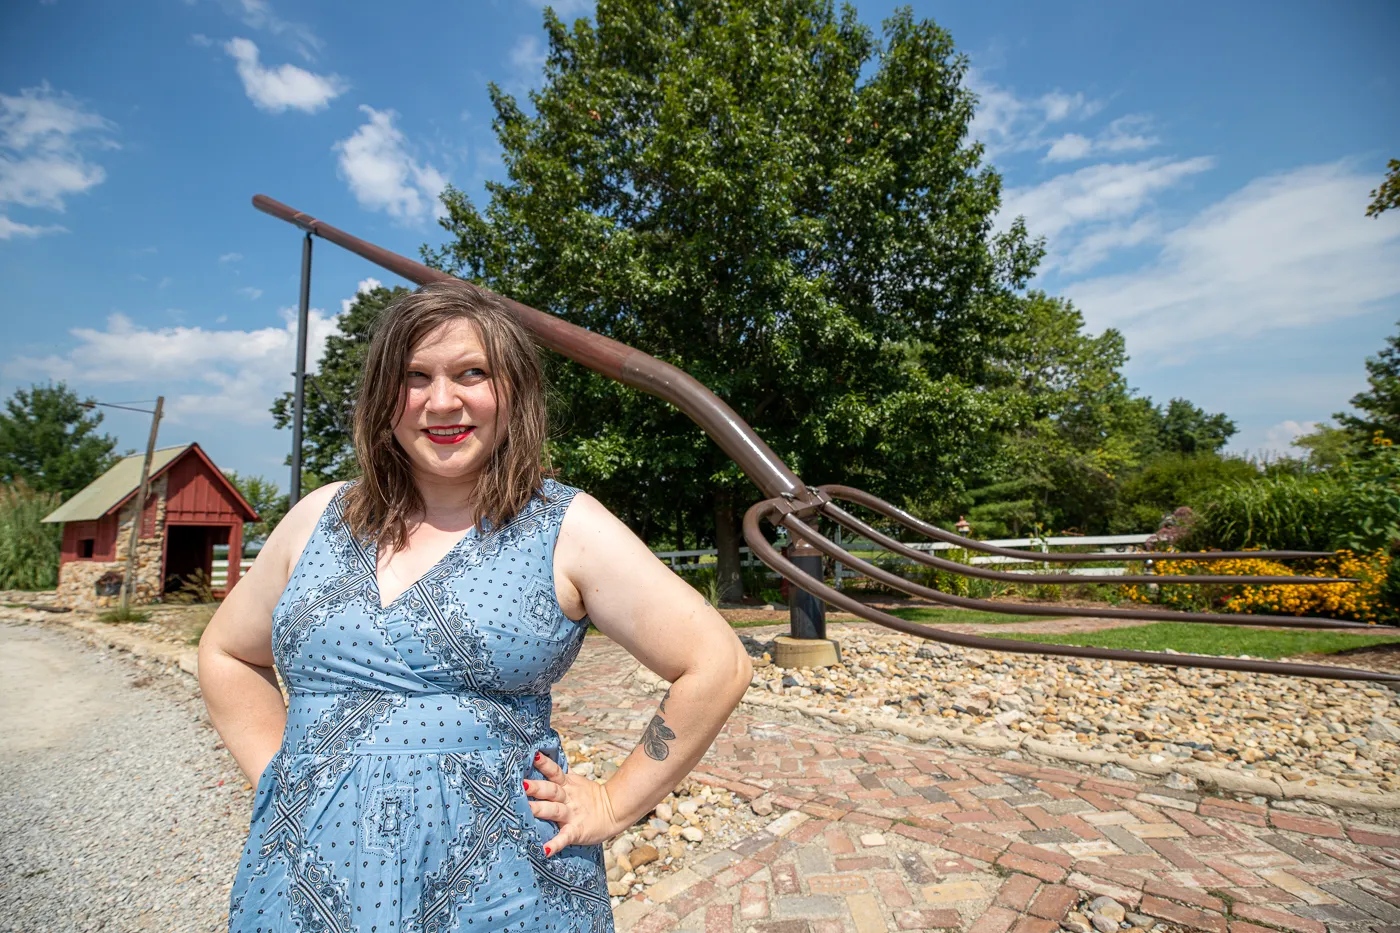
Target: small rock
[1118, 772]
[1075, 922]
[621, 847]
[1108, 908]
[1178, 781]
[1103, 924]
[643, 854]
[618, 889]
[693, 834]
[664, 812]
[624, 863]
[762, 806]
[871, 840]
[687, 807]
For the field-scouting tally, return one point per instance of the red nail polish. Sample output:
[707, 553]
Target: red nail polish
[526, 785]
[538, 756]
[546, 850]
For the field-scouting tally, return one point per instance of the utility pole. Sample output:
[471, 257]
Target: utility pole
[129, 577]
[299, 392]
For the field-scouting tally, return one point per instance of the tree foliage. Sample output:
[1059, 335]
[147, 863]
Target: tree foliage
[1379, 405]
[775, 200]
[267, 500]
[49, 440]
[1387, 195]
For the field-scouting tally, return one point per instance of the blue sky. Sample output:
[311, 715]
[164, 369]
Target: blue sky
[1200, 172]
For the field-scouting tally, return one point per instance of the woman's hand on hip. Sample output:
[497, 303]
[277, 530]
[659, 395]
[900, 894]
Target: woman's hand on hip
[580, 807]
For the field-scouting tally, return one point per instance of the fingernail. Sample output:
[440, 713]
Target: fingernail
[538, 756]
[526, 785]
[546, 850]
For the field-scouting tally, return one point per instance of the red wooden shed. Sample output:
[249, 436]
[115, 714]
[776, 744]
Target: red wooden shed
[190, 507]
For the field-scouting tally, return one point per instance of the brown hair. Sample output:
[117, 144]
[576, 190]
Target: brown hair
[377, 506]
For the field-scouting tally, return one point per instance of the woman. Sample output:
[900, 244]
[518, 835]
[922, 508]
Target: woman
[419, 616]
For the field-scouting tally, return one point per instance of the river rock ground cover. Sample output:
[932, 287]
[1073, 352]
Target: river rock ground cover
[1285, 728]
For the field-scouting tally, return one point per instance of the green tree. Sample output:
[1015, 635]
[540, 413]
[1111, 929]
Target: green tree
[328, 449]
[770, 197]
[1170, 480]
[266, 499]
[1080, 430]
[1186, 429]
[50, 440]
[1328, 446]
[1388, 194]
[1380, 404]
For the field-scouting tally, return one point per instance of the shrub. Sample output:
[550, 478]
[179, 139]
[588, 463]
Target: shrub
[1366, 600]
[1171, 480]
[29, 549]
[1354, 506]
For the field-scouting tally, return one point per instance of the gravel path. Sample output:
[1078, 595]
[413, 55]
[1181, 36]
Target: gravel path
[120, 812]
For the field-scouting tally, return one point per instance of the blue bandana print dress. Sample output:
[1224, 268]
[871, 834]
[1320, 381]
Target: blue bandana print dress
[395, 803]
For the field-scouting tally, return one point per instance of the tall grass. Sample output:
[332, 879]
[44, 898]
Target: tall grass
[28, 549]
[1356, 506]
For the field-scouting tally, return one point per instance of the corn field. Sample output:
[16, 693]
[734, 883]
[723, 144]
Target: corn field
[28, 549]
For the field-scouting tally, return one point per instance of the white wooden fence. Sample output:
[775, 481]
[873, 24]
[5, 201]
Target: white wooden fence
[1107, 545]
[686, 561]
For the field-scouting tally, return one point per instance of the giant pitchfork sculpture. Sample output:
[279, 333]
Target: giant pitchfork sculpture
[793, 505]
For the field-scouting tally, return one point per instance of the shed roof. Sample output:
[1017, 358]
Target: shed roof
[112, 488]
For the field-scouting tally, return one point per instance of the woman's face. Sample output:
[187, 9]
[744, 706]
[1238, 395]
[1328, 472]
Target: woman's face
[451, 404]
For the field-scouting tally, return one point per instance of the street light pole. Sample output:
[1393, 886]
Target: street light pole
[129, 577]
[299, 392]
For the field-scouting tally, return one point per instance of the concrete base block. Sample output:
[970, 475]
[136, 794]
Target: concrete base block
[805, 652]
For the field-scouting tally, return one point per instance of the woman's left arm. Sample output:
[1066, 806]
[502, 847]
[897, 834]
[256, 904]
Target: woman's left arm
[638, 602]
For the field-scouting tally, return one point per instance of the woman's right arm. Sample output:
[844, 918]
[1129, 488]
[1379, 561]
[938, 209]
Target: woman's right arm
[236, 673]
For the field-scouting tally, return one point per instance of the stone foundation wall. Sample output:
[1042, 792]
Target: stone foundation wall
[77, 579]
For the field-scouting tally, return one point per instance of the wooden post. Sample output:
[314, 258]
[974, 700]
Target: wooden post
[235, 557]
[129, 577]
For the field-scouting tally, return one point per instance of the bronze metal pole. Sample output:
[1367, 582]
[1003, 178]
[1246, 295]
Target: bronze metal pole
[601, 354]
[770, 556]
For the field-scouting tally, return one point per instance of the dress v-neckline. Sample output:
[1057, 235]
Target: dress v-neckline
[374, 564]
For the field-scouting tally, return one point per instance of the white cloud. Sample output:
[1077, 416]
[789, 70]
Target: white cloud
[252, 294]
[201, 40]
[1004, 122]
[366, 286]
[10, 229]
[383, 174]
[258, 14]
[231, 257]
[1126, 134]
[1279, 438]
[285, 87]
[43, 136]
[230, 375]
[527, 55]
[1287, 250]
[165, 282]
[1096, 193]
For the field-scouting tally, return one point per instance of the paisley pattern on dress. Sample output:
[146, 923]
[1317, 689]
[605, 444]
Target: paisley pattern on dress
[395, 800]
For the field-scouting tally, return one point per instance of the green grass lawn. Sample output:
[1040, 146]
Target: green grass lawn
[924, 615]
[946, 616]
[1214, 639]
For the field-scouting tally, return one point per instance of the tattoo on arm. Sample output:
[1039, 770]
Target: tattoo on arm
[657, 734]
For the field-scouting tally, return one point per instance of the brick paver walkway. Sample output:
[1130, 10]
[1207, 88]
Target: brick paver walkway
[958, 841]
